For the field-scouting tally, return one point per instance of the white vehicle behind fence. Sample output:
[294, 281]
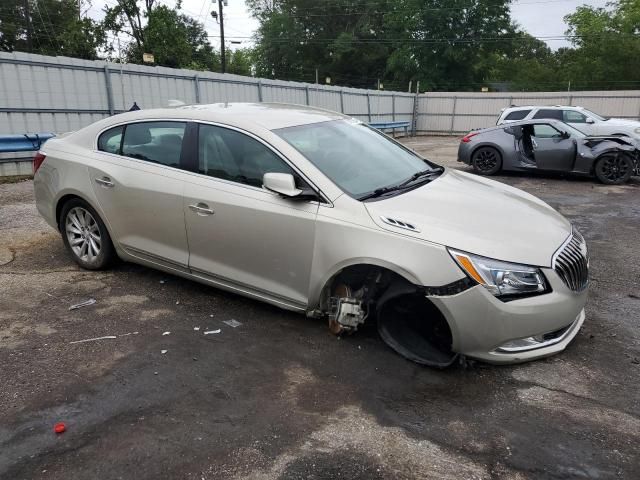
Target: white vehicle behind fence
[584, 120]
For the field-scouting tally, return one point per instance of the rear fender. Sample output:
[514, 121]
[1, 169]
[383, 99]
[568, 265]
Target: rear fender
[494, 145]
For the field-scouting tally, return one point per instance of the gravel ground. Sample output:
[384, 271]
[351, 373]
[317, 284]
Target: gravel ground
[278, 396]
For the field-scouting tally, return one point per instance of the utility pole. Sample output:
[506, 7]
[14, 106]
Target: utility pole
[224, 62]
[27, 15]
[316, 76]
[79, 9]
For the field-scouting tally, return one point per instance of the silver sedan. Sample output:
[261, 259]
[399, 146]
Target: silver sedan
[318, 213]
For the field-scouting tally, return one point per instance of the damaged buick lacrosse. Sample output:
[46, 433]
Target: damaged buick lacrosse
[316, 212]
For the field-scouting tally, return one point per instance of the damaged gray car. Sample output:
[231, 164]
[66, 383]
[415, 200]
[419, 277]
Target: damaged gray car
[550, 146]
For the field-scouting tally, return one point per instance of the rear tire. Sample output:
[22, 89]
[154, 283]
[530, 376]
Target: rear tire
[486, 161]
[85, 236]
[614, 168]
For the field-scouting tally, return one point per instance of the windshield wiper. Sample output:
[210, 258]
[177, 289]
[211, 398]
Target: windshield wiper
[378, 192]
[417, 175]
[381, 191]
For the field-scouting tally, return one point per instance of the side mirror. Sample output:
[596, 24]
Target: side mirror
[590, 120]
[282, 183]
[565, 135]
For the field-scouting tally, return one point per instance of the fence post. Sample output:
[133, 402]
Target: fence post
[393, 107]
[369, 106]
[414, 119]
[342, 100]
[306, 91]
[196, 87]
[259, 90]
[107, 83]
[453, 113]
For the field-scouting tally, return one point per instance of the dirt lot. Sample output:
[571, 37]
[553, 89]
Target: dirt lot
[278, 396]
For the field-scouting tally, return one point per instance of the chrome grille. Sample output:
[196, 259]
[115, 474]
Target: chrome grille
[571, 262]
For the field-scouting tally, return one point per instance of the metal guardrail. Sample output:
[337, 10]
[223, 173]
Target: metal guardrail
[391, 126]
[27, 142]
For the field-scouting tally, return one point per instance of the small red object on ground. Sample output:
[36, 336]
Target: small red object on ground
[59, 427]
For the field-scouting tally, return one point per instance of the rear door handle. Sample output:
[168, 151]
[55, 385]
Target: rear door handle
[105, 182]
[201, 209]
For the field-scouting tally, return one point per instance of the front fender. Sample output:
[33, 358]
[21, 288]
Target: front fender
[340, 244]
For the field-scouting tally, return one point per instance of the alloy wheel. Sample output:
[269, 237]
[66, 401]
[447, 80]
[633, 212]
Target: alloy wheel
[486, 159]
[83, 234]
[614, 167]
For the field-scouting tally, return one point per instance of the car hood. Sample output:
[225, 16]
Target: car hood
[623, 122]
[478, 216]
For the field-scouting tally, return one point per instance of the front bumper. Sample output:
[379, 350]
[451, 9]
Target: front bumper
[486, 328]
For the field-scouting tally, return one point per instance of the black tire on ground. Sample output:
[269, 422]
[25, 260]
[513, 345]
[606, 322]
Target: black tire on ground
[486, 161]
[85, 236]
[613, 168]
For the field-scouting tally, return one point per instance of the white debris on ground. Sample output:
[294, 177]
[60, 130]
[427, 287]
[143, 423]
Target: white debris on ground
[86, 303]
[94, 339]
[232, 323]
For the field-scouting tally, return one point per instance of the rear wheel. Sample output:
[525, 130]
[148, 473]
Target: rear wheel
[614, 168]
[486, 161]
[85, 235]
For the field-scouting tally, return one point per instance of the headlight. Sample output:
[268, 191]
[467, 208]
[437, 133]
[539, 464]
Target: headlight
[637, 130]
[502, 279]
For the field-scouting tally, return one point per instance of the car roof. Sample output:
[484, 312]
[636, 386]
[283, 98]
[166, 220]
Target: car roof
[550, 107]
[270, 116]
[551, 121]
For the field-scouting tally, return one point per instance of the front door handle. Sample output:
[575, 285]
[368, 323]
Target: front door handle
[105, 182]
[201, 209]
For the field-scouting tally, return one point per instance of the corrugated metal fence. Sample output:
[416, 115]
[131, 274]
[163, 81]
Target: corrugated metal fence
[449, 112]
[59, 94]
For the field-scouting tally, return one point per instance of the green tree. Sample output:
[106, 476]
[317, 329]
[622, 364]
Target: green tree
[526, 64]
[606, 44]
[340, 38]
[240, 61]
[53, 26]
[448, 44]
[175, 40]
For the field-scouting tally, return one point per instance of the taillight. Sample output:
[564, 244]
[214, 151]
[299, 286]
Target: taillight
[38, 158]
[467, 138]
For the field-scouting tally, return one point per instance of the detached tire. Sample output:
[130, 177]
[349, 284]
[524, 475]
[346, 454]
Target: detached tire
[613, 168]
[85, 236]
[486, 161]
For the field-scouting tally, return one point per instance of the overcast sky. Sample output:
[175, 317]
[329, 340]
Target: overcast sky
[541, 18]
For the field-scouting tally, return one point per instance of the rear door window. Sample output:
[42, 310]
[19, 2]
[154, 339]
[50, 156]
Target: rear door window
[231, 155]
[156, 142]
[517, 114]
[548, 113]
[111, 140]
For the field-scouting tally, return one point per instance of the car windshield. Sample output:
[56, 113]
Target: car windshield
[595, 115]
[357, 158]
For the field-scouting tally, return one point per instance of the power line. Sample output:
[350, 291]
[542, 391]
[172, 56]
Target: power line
[327, 5]
[436, 41]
